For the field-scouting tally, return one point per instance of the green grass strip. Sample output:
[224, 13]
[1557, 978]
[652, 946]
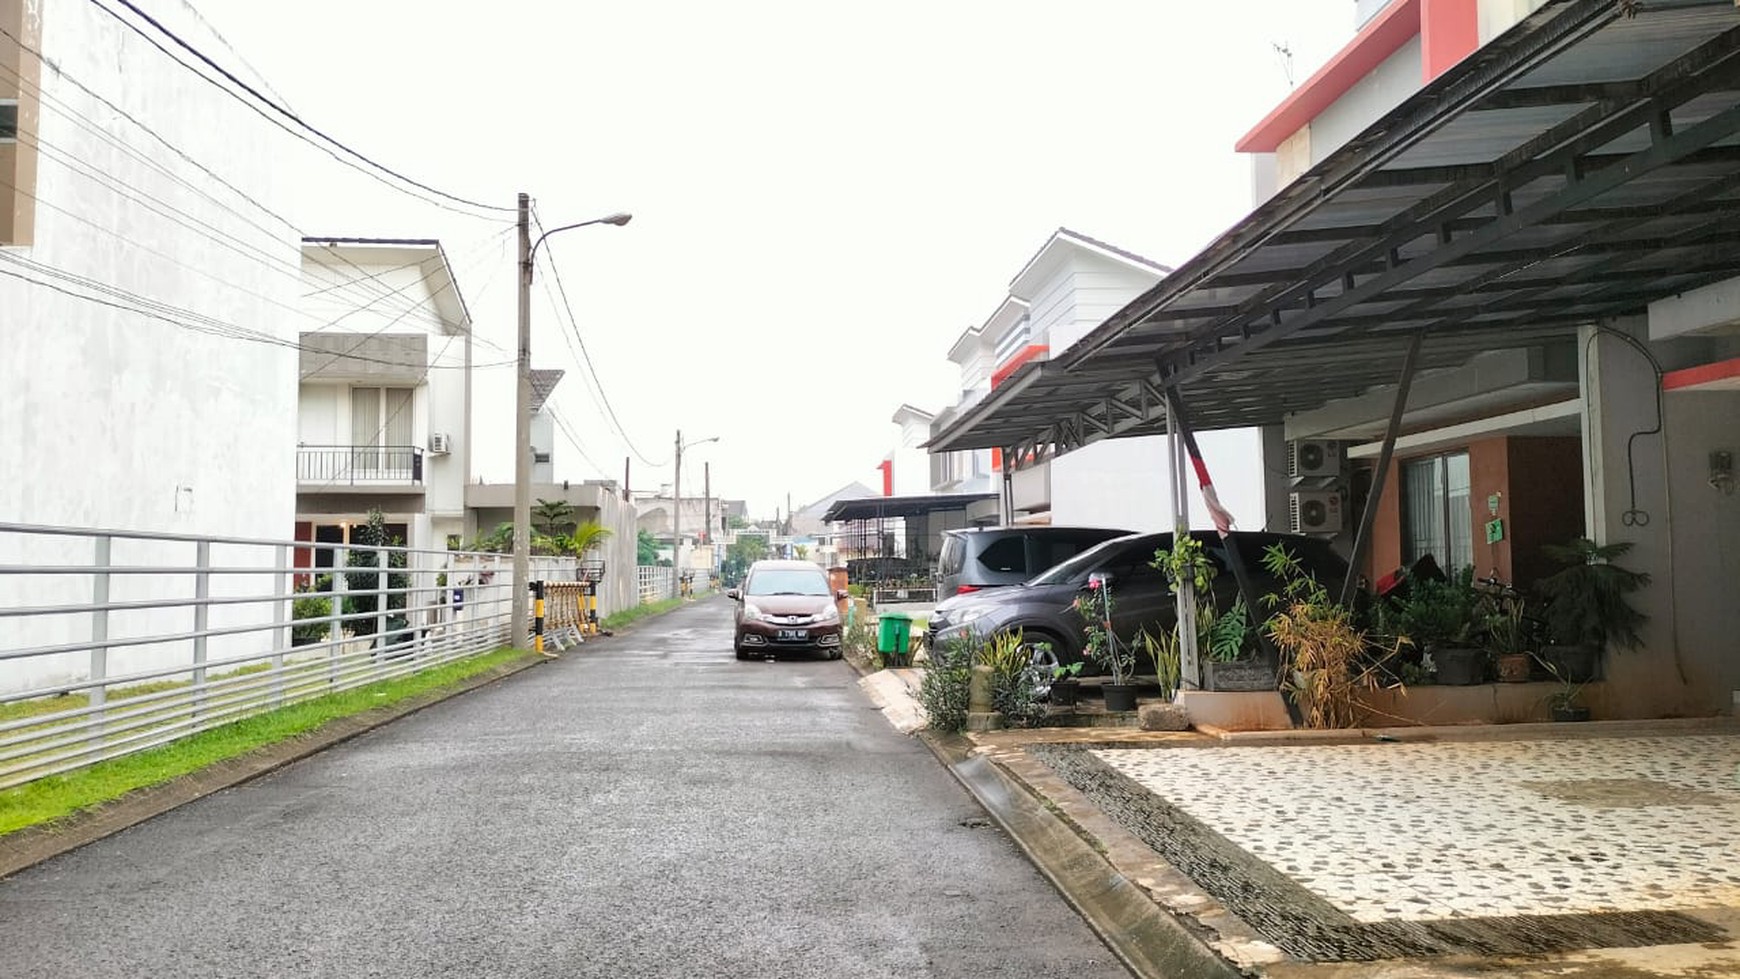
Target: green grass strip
[58, 796]
[617, 620]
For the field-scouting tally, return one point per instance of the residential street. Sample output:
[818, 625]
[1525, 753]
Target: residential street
[646, 806]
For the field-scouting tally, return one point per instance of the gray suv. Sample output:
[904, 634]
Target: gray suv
[973, 560]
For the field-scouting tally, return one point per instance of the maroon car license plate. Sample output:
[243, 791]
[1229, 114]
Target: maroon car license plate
[793, 635]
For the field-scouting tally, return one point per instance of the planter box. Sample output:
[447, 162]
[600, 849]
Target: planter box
[1460, 666]
[1573, 664]
[1239, 676]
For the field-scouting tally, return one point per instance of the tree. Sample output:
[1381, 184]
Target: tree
[550, 516]
[646, 549]
[586, 536]
[363, 582]
[746, 550]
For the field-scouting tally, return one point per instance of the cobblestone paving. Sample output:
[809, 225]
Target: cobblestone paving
[1460, 830]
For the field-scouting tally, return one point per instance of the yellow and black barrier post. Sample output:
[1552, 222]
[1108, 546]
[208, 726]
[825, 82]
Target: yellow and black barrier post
[589, 614]
[538, 618]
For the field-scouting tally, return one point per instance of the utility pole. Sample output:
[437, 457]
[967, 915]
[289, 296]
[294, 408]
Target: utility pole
[523, 437]
[677, 520]
[707, 507]
[625, 461]
[523, 417]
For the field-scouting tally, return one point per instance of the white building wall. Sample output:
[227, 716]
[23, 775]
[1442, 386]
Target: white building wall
[1385, 87]
[114, 419]
[1123, 483]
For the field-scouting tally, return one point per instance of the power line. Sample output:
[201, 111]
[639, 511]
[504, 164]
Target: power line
[197, 322]
[586, 358]
[130, 192]
[287, 114]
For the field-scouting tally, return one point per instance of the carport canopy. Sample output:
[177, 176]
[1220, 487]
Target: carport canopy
[877, 507]
[1579, 167]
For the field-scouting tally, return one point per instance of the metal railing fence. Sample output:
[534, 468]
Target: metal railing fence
[353, 464]
[112, 642]
[655, 582]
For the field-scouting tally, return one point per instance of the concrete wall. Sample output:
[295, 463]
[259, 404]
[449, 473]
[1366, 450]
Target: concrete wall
[114, 419]
[1692, 641]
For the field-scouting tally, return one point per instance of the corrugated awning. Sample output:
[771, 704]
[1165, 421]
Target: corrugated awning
[1579, 167]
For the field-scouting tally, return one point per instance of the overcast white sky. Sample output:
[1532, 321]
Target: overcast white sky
[824, 195]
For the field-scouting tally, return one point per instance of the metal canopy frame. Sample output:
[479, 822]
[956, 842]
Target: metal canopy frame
[1579, 167]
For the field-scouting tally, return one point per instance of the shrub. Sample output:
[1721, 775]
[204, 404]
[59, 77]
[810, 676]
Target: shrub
[1014, 680]
[944, 690]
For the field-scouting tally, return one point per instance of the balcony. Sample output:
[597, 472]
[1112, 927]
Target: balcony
[332, 466]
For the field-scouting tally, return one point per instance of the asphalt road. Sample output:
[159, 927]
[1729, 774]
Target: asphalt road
[646, 806]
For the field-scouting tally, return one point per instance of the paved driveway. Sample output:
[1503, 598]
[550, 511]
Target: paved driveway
[647, 806]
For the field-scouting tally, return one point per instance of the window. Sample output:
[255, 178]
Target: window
[1436, 518]
[8, 120]
[1007, 555]
[380, 428]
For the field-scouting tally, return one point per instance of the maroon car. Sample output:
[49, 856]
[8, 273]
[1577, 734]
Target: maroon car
[786, 605]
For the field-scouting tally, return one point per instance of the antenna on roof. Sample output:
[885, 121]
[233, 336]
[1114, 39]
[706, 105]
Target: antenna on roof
[1285, 53]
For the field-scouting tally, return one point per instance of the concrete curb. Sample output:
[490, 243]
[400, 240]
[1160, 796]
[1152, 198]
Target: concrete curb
[33, 845]
[1150, 942]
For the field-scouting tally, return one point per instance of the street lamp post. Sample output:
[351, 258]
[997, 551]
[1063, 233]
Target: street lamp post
[523, 414]
[677, 513]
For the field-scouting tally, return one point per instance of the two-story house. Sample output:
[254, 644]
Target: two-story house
[383, 393]
[1069, 287]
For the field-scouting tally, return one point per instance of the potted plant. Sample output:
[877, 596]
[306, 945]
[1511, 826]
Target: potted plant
[1065, 688]
[1509, 639]
[1565, 703]
[1440, 618]
[1224, 639]
[1162, 650]
[1588, 606]
[1094, 605]
[1327, 660]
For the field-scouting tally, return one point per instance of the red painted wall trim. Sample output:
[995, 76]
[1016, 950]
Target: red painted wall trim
[1382, 36]
[1027, 353]
[1701, 374]
[1449, 32]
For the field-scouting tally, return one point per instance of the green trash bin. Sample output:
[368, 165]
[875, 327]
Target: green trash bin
[893, 636]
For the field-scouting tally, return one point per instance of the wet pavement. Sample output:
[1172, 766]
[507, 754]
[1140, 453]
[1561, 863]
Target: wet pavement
[643, 806]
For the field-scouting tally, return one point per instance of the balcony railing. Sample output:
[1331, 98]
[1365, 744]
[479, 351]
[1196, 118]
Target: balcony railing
[359, 465]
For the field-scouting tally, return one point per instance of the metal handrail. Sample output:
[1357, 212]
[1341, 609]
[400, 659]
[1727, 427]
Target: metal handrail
[180, 622]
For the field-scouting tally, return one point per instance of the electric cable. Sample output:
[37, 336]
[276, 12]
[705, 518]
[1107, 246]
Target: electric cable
[1633, 516]
[65, 110]
[373, 168]
[586, 358]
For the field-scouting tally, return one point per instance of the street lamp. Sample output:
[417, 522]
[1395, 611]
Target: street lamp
[523, 414]
[677, 513]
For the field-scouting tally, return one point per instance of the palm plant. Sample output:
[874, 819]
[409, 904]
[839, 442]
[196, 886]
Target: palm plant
[1587, 601]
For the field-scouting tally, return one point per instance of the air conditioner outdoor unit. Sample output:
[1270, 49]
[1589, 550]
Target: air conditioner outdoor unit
[1315, 511]
[440, 443]
[1313, 457]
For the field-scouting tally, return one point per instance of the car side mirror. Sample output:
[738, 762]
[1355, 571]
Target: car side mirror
[734, 594]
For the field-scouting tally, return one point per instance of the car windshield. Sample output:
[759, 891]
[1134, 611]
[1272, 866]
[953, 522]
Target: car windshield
[780, 581]
[1076, 569]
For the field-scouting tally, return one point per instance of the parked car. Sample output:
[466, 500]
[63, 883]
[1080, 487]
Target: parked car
[1141, 597]
[992, 557]
[786, 605]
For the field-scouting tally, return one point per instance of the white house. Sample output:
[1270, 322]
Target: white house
[384, 392]
[1069, 287]
[149, 373]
